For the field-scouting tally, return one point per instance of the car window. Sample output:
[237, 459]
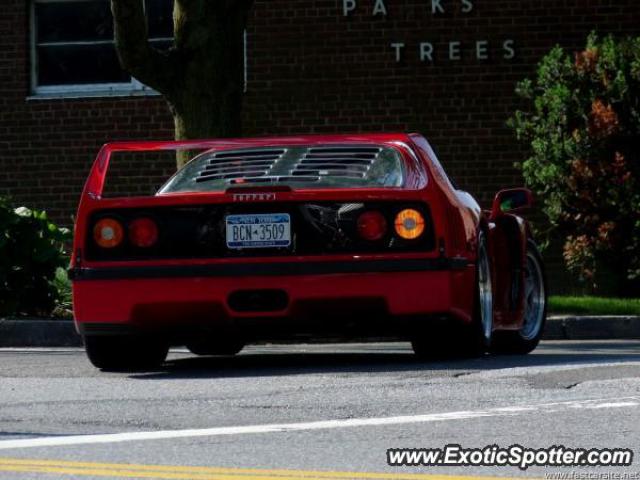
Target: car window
[325, 166]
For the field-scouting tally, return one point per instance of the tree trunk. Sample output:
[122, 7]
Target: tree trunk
[203, 111]
[202, 76]
[208, 101]
[207, 106]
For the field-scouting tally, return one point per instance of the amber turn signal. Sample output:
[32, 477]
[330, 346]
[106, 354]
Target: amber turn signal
[108, 233]
[409, 224]
[143, 232]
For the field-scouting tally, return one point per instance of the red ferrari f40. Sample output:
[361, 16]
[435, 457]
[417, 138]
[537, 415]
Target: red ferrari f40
[337, 237]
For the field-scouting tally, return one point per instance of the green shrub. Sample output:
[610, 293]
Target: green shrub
[31, 250]
[64, 304]
[582, 126]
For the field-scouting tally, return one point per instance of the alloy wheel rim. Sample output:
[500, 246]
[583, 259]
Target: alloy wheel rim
[485, 294]
[534, 299]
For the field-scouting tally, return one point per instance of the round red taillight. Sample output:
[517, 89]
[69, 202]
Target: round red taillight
[372, 225]
[108, 233]
[143, 232]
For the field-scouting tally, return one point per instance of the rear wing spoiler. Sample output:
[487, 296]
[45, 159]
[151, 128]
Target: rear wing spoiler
[94, 185]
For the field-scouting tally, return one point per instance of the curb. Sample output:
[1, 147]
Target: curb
[592, 328]
[62, 333]
[38, 333]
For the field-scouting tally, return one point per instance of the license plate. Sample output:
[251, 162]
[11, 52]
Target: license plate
[259, 231]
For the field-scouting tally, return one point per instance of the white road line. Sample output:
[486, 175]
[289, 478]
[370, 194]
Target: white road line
[615, 405]
[626, 402]
[41, 349]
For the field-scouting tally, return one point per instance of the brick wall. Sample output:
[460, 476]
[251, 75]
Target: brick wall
[47, 146]
[311, 69]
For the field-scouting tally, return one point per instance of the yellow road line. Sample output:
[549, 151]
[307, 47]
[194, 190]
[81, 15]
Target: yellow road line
[113, 473]
[123, 470]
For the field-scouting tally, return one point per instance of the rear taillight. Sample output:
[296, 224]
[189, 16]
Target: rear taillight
[143, 232]
[108, 233]
[409, 224]
[372, 225]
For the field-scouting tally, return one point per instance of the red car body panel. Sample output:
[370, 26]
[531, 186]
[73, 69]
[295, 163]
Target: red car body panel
[195, 294]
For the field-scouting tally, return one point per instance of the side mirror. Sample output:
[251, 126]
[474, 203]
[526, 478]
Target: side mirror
[512, 200]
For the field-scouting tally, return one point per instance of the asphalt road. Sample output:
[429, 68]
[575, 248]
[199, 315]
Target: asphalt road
[327, 408]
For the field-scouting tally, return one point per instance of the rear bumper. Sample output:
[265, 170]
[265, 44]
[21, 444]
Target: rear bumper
[318, 296]
[271, 269]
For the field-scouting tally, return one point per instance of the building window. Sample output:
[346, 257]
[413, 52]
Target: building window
[73, 51]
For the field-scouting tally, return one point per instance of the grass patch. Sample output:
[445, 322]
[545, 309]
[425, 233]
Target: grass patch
[594, 305]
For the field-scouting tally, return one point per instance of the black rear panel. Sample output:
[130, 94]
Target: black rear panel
[316, 229]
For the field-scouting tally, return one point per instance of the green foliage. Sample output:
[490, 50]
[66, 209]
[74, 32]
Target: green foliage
[582, 125]
[31, 250]
[62, 283]
[586, 305]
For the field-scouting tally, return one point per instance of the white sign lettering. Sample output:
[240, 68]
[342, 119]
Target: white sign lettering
[447, 49]
[398, 47]
[436, 7]
[481, 50]
[509, 52]
[379, 7]
[348, 6]
[426, 51]
[455, 50]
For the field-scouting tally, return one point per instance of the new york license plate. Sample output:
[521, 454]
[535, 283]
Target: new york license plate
[271, 230]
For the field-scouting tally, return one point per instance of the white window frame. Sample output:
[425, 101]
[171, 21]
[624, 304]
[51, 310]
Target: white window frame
[132, 88]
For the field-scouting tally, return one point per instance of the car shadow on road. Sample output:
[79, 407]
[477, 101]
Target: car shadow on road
[285, 360]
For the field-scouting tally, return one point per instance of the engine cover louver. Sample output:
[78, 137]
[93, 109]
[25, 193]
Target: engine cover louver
[290, 164]
[353, 162]
[240, 164]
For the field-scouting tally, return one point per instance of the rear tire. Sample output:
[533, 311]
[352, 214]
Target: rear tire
[118, 353]
[466, 341]
[525, 340]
